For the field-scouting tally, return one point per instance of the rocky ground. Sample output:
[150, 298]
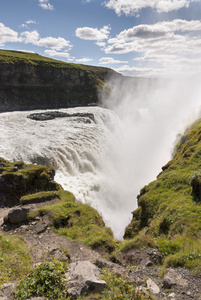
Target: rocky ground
[142, 267]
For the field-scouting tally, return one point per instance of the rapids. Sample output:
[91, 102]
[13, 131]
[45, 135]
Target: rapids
[83, 153]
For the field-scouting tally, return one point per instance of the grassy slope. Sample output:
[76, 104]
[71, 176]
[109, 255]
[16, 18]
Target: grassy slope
[169, 214]
[13, 57]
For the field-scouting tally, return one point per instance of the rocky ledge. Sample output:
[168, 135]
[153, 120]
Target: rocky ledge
[50, 115]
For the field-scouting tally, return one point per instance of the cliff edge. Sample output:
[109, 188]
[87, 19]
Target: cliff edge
[30, 81]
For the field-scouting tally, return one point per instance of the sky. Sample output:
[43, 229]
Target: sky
[144, 38]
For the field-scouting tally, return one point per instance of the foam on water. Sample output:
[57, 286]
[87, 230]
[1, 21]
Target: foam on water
[81, 152]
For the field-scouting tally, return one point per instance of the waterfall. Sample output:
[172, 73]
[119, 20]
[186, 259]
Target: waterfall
[83, 152]
[105, 156]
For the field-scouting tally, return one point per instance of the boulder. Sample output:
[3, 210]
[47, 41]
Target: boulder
[17, 215]
[152, 287]
[83, 278]
[173, 278]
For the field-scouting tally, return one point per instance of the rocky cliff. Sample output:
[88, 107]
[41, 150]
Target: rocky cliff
[30, 81]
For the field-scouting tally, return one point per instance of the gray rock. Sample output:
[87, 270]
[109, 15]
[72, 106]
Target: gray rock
[6, 292]
[152, 287]
[58, 255]
[40, 227]
[18, 215]
[36, 298]
[146, 262]
[173, 278]
[83, 278]
[172, 296]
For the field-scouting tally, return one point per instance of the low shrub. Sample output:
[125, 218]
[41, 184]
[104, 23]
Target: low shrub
[46, 280]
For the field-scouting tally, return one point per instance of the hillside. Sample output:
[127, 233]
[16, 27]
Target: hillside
[169, 208]
[31, 81]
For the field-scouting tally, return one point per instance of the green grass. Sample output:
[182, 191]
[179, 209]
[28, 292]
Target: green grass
[169, 210]
[78, 221]
[39, 197]
[15, 259]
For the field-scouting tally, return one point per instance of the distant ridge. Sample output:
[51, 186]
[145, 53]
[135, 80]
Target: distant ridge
[31, 81]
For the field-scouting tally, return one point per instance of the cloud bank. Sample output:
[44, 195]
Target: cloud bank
[130, 7]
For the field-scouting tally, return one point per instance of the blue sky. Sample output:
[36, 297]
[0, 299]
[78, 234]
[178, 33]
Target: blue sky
[134, 37]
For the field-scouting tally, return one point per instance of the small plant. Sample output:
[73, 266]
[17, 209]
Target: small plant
[120, 288]
[46, 280]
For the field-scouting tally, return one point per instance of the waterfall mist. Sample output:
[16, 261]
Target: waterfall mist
[106, 161]
[152, 114]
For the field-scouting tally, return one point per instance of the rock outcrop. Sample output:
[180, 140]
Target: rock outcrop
[30, 81]
[18, 179]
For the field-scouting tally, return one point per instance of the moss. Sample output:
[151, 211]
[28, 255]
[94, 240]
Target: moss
[169, 207]
[39, 197]
[79, 222]
[21, 179]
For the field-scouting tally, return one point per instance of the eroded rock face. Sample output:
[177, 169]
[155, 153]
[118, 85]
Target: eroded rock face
[35, 83]
[18, 179]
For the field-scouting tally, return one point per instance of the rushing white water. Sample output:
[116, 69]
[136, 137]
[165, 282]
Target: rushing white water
[81, 151]
[106, 161]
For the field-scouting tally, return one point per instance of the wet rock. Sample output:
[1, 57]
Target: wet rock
[173, 278]
[50, 115]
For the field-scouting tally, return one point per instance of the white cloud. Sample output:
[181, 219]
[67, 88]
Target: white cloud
[131, 7]
[110, 60]
[34, 38]
[83, 60]
[137, 71]
[53, 43]
[55, 53]
[89, 33]
[24, 50]
[160, 38]
[8, 35]
[31, 22]
[46, 5]
[28, 23]
[164, 45]
[30, 37]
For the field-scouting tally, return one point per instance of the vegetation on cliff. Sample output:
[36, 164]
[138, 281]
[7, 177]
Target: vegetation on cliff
[78, 222]
[169, 212]
[19, 179]
[31, 81]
